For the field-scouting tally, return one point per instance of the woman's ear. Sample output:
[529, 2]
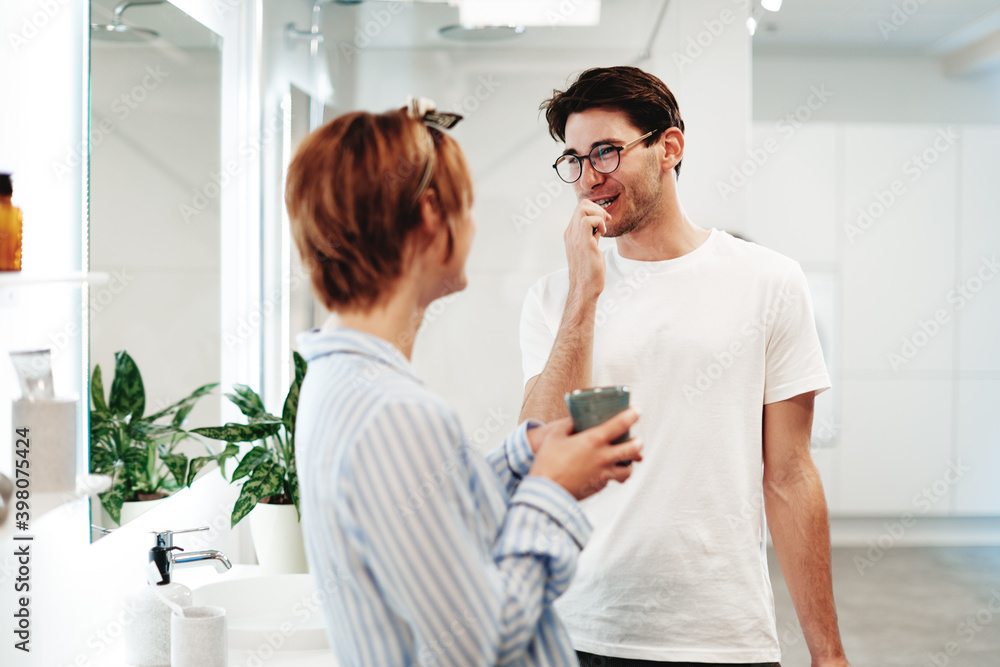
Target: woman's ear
[434, 227]
[430, 213]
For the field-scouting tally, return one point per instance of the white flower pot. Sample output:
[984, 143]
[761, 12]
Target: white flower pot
[130, 510]
[277, 537]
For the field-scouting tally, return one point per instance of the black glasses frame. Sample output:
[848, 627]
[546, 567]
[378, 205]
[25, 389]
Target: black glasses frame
[590, 156]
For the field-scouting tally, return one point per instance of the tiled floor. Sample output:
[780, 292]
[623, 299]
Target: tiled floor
[907, 608]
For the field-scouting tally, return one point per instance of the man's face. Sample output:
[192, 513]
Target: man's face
[635, 187]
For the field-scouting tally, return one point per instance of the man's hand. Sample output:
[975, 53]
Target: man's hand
[586, 262]
[584, 463]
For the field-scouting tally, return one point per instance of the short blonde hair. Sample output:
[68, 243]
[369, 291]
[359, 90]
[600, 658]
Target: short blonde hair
[352, 197]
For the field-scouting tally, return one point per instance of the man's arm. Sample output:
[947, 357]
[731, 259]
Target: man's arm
[571, 362]
[570, 365]
[797, 516]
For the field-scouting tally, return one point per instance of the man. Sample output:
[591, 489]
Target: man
[715, 338]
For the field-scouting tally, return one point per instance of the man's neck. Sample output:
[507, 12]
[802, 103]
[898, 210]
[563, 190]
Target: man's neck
[669, 236]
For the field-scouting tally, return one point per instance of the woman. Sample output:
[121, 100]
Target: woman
[426, 552]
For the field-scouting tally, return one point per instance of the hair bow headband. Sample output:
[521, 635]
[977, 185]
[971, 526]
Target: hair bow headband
[423, 109]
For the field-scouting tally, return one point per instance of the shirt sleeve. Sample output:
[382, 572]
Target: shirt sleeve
[793, 358]
[430, 559]
[537, 337]
[512, 460]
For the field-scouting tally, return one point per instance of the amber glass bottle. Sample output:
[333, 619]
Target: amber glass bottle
[10, 228]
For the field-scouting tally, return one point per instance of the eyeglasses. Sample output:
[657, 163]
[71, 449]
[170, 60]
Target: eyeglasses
[604, 158]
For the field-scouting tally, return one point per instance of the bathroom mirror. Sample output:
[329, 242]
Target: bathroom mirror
[155, 185]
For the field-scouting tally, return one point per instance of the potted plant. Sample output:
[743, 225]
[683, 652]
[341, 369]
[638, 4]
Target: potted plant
[134, 449]
[270, 492]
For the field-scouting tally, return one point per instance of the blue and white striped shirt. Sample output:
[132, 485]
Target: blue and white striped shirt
[426, 553]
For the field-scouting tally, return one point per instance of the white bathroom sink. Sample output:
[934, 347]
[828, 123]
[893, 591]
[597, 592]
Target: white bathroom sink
[270, 613]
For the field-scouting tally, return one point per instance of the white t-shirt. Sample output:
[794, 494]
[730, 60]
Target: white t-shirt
[676, 569]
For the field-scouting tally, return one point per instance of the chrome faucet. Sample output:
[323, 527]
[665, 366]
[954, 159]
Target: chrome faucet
[166, 562]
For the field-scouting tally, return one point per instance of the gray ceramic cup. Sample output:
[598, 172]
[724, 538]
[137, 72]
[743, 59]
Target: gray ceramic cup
[590, 407]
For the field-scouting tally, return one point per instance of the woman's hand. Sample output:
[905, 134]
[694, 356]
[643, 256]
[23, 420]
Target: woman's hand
[584, 463]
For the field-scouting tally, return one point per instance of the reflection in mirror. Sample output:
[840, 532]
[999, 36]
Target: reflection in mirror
[154, 228]
[305, 309]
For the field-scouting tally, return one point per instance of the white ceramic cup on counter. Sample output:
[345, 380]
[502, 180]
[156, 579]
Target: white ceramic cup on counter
[198, 638]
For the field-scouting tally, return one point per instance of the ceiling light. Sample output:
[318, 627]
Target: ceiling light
[752, 25]
[480, 33]
[553, 13]
[771, 5]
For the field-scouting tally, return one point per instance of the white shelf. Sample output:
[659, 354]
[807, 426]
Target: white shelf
[18, 278]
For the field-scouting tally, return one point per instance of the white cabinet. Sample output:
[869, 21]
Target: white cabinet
[907, 217]
[898, 260]
[977, 279]
[895, 444]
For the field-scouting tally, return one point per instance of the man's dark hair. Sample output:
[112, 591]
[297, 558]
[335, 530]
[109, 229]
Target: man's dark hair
[6, 190]
[642, 97]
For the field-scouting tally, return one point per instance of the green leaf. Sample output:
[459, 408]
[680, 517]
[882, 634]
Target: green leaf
[135, 460]
[177, 464]
[200, 462]
[113, 498]
[300, 367]
[247, 400]
[232, 432]
[145, 431]
[230, 452]
[291, 407]
[265, 481]
[251, 459]
[293, 484]
[184, 405]
[101, 460]
[97, 391]
[128, 396]
[195, 467]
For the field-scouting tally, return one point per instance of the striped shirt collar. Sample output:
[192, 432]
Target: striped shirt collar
[319, 343]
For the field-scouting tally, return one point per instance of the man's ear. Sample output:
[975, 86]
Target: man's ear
[672, 143]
